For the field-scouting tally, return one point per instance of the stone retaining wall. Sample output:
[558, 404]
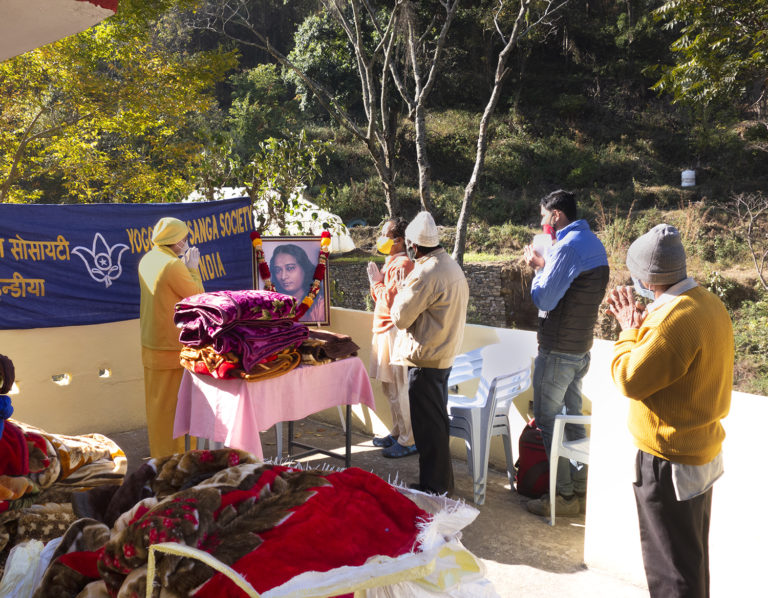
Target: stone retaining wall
[499, 292]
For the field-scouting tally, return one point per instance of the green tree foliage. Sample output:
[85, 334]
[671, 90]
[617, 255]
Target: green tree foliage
[262, 107]
[721, 51]
[278, 172]
[321, 50]
[105, 115]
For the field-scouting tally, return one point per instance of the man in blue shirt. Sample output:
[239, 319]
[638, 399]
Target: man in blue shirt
[568, 288]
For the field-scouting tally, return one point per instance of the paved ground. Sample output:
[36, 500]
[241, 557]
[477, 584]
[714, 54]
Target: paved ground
[524, 556]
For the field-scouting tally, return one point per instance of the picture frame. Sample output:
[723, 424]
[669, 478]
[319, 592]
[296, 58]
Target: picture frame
[289, 258]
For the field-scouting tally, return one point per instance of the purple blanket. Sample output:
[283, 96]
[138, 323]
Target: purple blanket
[254, 343]
[253, 324]
[202, 317]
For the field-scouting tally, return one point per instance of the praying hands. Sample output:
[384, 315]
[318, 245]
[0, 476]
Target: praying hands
[623, 306]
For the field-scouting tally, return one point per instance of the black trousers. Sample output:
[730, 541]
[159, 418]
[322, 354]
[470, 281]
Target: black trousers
[428, 397]
[674, 535]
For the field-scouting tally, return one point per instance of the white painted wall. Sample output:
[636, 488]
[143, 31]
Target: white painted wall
[738, 529]
[89, 403]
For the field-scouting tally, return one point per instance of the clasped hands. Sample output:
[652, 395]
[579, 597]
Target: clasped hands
[628, 311]
[374, 274]
[533, 259]
[191, 258]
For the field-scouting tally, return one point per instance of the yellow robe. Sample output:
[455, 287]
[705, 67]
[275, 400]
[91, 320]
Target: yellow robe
[164, 280]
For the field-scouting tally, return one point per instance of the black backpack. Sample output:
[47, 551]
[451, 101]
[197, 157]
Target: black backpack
[532, 466]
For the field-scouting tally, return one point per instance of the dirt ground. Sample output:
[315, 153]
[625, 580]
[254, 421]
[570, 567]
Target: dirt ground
[522, 554]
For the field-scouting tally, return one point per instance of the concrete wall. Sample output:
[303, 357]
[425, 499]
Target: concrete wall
[90, 403]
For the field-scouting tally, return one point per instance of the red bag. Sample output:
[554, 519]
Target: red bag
[532, 466]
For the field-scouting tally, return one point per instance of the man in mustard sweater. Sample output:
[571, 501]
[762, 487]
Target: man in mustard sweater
[167, 273]
[674, 360]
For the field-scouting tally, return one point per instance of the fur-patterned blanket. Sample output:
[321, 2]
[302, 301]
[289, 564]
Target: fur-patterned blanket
[39, 471]
[269, 522]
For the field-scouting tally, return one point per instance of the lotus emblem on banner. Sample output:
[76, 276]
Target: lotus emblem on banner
[102, 261]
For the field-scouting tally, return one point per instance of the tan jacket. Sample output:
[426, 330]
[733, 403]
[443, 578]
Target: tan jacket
[164, 281]
[432, 308]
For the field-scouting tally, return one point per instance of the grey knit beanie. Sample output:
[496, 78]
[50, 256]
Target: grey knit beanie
[658, 256]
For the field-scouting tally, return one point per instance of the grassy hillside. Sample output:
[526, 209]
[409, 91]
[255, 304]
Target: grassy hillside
[578, 113]
[626, 183]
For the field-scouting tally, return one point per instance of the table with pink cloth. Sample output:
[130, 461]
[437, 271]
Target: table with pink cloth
[235, 411]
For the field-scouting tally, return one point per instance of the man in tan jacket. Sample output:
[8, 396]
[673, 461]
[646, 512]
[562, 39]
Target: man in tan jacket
[167, 274]
[432, 310]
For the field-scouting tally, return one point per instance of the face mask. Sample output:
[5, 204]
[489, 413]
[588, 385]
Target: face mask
[411, 252]
[384, 245]
[183, 249]
[643, 290]
[548, 229]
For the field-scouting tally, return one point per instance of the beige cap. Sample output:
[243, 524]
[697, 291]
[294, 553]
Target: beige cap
[422, 231]
[169, 231]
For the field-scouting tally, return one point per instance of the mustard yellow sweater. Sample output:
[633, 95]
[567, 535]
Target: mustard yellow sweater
[678, 368]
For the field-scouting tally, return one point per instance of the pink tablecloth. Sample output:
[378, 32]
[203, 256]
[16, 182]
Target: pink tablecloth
[235, 411]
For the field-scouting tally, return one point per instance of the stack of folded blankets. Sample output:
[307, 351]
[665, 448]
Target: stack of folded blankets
[248, 334]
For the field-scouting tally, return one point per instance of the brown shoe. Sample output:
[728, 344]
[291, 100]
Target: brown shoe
[563, 507]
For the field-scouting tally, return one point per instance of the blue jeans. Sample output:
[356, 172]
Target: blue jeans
[557, 384]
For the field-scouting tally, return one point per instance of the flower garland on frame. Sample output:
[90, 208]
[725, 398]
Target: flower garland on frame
[317, 278]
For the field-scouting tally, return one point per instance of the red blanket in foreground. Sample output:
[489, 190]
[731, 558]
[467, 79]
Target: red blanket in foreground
[356, 517]
[270, 523]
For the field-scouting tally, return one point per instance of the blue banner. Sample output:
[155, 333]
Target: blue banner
[68, 265]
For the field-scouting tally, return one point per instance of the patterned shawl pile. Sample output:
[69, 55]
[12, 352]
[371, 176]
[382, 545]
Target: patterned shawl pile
[270, 523]
[39, 471]
[247, 328]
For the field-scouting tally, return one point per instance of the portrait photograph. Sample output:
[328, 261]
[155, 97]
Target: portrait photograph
[292, 262]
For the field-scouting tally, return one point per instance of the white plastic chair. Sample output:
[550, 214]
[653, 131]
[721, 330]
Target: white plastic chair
[477, 419]
[578, 450]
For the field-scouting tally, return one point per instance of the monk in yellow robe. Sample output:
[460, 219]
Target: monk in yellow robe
[167, 274]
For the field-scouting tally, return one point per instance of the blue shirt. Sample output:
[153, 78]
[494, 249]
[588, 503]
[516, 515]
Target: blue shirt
[577, 250]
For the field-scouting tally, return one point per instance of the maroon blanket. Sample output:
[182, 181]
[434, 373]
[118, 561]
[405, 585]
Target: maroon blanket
[254, 325]
[202, 317]
[256, 343]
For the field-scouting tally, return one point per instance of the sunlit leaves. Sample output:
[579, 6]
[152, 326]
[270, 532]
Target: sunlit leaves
[279, 171]
[721, 51]
[104, 115]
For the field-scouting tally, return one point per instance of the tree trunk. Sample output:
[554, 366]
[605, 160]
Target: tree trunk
[422, 162]
[482, 135]
[381, 161]
[469, 190]
[422, 86]
[234, 19]
[524, 22]
[26, 137]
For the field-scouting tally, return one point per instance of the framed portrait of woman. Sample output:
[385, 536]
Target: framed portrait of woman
[292, 262]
